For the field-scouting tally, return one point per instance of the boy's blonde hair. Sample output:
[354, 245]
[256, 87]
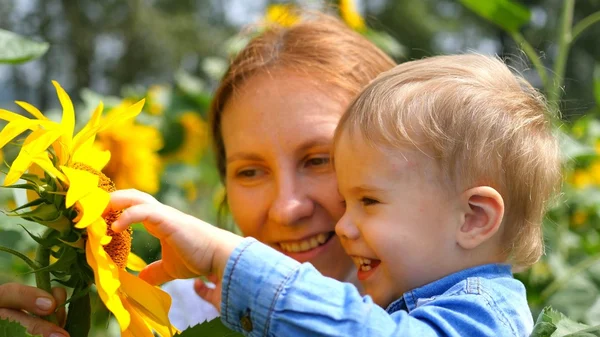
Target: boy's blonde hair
[483, 124]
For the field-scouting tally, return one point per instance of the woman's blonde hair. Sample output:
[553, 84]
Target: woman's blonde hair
[484, 125]
[320, 46]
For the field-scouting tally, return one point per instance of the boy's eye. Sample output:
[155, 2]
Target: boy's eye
[368, 201]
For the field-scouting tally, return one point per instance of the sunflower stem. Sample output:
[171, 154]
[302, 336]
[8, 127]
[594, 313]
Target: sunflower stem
[79, 317]
[42, 278]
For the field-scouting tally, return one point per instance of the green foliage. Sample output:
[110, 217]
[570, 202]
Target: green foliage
[507, 14]
[213, 328]
[17, 49]
[551, 323]
[13, 329]
[386, 43]
[597, 83]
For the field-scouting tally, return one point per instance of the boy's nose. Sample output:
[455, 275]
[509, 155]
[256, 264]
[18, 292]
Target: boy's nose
[290, 204]
[346, 229]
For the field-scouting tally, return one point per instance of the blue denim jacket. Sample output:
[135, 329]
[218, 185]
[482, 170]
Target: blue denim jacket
[266, 293]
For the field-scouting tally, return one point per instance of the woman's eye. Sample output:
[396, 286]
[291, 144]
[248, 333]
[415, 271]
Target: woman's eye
[368, 201]
[249, 173]
[317, 161]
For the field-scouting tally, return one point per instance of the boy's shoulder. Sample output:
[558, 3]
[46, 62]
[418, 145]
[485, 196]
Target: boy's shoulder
[484, 297]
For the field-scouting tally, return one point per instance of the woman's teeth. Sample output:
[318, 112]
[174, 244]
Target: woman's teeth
[362, 263]
[304, 245]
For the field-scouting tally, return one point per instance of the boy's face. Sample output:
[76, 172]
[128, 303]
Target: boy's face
[400, 222]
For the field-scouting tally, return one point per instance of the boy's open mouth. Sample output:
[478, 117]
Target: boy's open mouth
[365, 264]
[306, 244]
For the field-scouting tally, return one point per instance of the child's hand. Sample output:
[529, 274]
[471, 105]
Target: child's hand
[211, 294]
[190, 247]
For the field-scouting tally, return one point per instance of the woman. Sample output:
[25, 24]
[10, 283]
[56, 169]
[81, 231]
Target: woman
[272, 120]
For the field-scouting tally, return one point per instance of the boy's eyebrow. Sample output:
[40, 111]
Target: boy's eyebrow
[365, 188]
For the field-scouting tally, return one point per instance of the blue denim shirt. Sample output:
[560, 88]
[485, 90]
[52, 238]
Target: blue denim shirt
[266, 293]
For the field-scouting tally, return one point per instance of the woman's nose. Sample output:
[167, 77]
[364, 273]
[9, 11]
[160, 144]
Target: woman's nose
[291, 202]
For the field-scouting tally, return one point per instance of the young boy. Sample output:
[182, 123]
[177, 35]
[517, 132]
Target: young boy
[445, 165]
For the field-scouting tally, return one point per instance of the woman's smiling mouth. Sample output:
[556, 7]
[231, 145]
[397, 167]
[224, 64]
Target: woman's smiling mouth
[306, 244]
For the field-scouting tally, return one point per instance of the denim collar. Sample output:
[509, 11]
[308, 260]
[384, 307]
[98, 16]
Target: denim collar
[410, 299]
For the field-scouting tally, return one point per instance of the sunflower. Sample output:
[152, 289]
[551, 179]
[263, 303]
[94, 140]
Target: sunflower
[282, 14]
[65, 172]
[131, 144]
[195, 139]
[351, 16]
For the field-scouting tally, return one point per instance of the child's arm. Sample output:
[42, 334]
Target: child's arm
[190, 247]
[266, 293]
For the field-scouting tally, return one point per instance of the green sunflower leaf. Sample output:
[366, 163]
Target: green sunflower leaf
[18, 49]
[13, 329]
[508, 14]
[213, 328]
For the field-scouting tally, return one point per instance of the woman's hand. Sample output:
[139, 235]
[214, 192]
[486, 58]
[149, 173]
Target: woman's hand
[19, 303]
[190, 247]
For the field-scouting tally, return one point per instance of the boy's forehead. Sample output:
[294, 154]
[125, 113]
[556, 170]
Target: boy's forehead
[353, 152]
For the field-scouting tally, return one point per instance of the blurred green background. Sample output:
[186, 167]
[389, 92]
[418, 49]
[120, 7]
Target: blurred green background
[174, 52]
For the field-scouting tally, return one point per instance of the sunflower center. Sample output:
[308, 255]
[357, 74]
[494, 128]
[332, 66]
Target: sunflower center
[120, 245]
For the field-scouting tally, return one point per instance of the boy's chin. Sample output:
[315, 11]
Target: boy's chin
[384, 300]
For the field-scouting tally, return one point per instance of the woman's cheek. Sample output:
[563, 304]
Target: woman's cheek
[245, 210]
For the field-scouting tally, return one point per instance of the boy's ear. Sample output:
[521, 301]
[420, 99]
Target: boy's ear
[484, 211]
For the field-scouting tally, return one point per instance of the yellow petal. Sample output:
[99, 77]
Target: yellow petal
[32, 195]
[81, 184]
[149, 300]
[46, 164]
[93, 206]
[97, 229]
[68, 117]
[92, 123]
[135, 262]
[138, 327]
[106, 275]
[10, 116]
[117, 115]
[161, 330]
[39, 141]
[120, 115]
[90, 154]
[17, 168]
[35, 112]
[15, 128]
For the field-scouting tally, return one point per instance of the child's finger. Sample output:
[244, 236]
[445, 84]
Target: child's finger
[151, 215]
[155, 273]
[211, 294]
[122, 199]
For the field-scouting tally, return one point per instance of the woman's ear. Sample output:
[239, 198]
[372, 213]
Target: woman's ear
[484, 211]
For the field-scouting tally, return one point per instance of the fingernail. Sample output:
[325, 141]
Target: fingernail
[57, 335]
[43, 303]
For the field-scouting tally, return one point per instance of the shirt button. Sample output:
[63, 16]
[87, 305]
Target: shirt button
[246, 321]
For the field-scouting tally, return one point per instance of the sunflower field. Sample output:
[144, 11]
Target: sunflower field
[148, 131]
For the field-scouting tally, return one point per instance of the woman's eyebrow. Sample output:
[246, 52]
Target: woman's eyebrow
[243, 156]
[321, 141]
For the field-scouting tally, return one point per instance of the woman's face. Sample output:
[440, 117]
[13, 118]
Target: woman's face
[278, 131]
